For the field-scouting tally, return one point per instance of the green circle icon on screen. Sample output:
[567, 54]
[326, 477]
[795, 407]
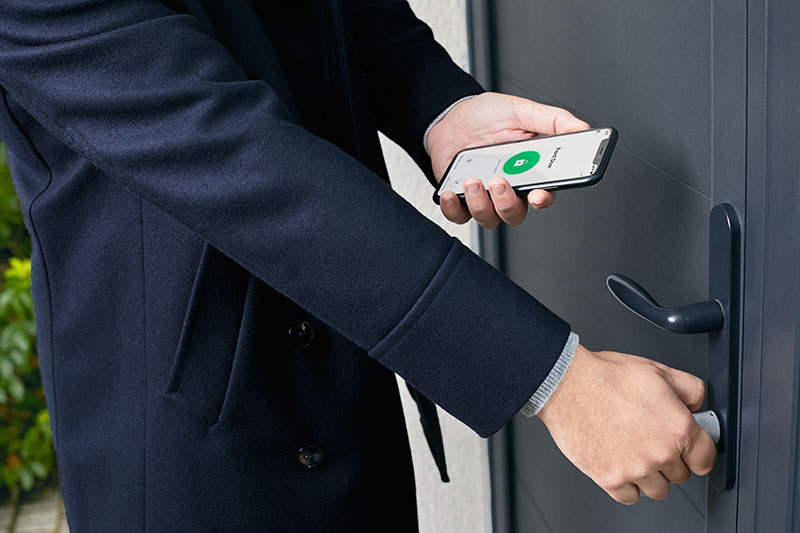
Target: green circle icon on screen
[521, 162]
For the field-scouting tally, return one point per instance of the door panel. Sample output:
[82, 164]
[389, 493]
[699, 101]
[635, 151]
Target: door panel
[528, 512]
[643, 67]
[552, 483]
[673, 82]
[637, 221]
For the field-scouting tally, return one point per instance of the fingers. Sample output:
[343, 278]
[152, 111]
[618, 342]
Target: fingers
[541, 199]
[689, 388]
[655, 486]
[676, 472]
[501, 203]
[508, 206]
[452, 208]
[540, 118]
[628, 494]
[479, 204]
[700, 452]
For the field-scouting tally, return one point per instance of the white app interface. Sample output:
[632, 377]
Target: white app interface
[540, 160]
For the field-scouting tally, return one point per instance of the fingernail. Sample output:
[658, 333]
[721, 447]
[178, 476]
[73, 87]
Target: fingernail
[447, 201]
[499, 189]
[473, 188]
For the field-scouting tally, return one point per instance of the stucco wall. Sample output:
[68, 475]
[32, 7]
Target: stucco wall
[461, 505]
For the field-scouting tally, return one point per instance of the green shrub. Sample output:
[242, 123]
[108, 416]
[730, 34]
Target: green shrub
[27, 459]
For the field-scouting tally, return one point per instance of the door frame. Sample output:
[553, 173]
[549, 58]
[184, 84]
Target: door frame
[490, 246]
[769, 462]
[767, 492]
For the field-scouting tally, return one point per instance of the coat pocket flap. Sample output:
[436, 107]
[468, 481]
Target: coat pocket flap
[207, 346]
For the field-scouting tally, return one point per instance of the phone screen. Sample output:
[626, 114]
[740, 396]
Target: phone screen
[537, 161]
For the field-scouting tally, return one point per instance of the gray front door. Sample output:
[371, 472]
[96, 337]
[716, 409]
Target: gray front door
[673, 78]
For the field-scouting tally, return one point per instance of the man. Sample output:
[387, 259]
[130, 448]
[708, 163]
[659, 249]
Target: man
[224, 282]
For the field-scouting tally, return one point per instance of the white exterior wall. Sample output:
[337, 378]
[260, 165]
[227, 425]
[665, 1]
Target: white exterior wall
[461, 505]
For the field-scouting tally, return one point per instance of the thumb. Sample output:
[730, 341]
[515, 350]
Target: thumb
[689, 388]
[548, 120]
[566, 122]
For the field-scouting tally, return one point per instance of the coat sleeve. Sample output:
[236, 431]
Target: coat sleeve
[412, 78]
[157, 104]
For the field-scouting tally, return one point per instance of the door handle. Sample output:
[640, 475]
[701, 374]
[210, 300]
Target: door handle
[719, 317]
[700, 317]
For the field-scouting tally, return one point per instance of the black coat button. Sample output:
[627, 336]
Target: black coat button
[301, 334]
[310, 456]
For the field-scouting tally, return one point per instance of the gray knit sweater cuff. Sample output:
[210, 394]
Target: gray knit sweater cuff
[548, 386]
[439, 118]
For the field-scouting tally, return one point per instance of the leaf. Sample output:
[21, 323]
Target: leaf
[25, 478]
[38, 469]
[5, 300]
[27, 300]
[17, 357]
[5, 338]
[16, 388]
[19, 269]
[3, 396]
[20, 339]
[6, 368]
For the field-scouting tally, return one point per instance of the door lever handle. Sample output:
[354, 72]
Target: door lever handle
[700, 317]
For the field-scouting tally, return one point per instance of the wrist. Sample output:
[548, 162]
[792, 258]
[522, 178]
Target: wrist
[564, 392]
[439, 124]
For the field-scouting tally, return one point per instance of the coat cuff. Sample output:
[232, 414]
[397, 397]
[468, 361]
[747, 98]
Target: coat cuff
[474, 342]
[548, 386]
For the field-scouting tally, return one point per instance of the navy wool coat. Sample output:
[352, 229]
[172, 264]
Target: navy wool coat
[224, 282]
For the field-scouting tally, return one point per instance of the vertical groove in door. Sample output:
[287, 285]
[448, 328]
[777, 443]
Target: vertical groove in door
[490, 247]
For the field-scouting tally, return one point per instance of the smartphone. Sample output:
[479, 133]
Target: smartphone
[563, 161]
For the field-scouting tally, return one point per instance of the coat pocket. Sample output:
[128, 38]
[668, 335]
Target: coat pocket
[201, 371]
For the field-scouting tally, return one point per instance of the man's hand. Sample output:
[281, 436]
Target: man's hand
[626, 422]
[493, 118]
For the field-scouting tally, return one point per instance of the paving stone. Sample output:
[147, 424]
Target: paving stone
[45, 514]
[39, 515]
[36, 517]
[63, 527]
[6, 514]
